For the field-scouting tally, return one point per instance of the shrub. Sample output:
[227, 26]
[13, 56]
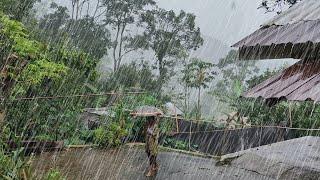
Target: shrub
[116, 134]
[111, 136]
[54, 174]
[100, 136]
[13, 167]
[177, 144]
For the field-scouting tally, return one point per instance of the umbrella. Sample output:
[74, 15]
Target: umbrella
[146, 111]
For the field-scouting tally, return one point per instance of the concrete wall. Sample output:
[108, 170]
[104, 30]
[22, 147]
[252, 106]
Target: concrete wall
[228, 141]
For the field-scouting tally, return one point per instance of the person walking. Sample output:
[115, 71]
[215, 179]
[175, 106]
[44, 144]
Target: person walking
[151, 147]
[151, 132]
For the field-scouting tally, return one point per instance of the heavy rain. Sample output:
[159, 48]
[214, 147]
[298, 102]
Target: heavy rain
[159, 89]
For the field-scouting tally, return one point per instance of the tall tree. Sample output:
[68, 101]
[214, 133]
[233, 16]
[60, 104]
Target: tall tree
[234, 74]
[122, 16]
[23, 60]
[17, 9]
[198, 74]
[83, 34]
[168, 34]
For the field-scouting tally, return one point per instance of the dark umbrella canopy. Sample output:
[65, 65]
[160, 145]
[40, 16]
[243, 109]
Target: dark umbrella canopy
[146, 111]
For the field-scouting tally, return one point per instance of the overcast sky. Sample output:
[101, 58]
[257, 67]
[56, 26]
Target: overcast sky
[226, 20]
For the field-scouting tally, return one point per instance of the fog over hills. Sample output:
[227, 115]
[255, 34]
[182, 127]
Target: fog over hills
[212, 49]
[222, 23]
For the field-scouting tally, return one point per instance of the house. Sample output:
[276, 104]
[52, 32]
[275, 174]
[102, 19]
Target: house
[92, 117]
[292, 34]
[172, 110]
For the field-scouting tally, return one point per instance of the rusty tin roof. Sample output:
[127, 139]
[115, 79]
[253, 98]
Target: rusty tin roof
[279, 38]
[307, 10]
[300, 32]
[300, 82]
[146, 111]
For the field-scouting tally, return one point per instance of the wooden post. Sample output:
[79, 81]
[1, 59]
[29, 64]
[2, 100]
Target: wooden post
[190, 135]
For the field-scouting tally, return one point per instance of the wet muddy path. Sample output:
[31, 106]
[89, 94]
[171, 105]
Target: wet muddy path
[131, 163]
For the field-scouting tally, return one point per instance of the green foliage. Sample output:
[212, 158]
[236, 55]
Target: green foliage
[177, 144]
[100, 136]
[37, 66]
[110, 136]
[115, 134]
[13, 166]
[86, 136]
[57, 55]
[197, 74]
[81, 34]
[17, 34]
[40, 74]
[169, 34]
[17, 9]
[54, 174]
[5, 136]
[121, 16]
[133, 76]
[39, 70]
[233, 82]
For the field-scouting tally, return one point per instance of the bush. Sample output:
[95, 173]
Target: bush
[54, 174]
[100, 136]
[86, 135]
[177, 144]
[111, 136]
[13, 166]
[116, 134]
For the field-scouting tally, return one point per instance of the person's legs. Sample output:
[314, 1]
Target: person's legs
[153, 162]
[153, 151]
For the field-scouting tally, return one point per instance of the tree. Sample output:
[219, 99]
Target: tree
[232, 83]
[133, 76]
[82, 34]
[170, 35]
[197, 74]
[22, 60]
[277, 5]
[122, 16]
[17, 9]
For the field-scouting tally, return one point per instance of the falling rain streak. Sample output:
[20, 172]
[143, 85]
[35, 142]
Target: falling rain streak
[170, 89]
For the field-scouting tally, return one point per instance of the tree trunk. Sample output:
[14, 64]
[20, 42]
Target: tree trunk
[73, 7]
[77, 10]
[120, 46]
[162, 72]
[115, 46]
[185, 100]
[290, 115]
[2, 116]
[198, 108]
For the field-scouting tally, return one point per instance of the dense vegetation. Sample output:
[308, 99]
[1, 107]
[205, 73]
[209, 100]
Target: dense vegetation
[49, 74]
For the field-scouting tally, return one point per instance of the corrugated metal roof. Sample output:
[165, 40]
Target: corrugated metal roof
[307, 10]
[298, 25]
[300, 32]
[172, 110]
[146, 111]
[299, 82]
[100, 111]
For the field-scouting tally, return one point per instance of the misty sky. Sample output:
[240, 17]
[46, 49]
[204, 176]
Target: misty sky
[226, 20]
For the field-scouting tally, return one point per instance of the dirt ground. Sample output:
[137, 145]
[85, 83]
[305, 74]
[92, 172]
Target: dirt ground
[130, 163]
